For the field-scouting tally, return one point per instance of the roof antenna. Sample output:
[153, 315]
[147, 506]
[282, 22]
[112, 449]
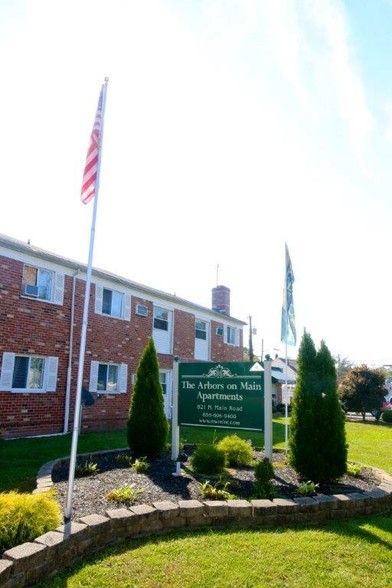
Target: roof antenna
[217, 274]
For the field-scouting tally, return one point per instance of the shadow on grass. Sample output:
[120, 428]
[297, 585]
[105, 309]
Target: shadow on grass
[373, 422]
[356, 528]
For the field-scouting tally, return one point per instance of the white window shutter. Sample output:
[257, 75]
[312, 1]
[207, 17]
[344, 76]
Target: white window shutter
[7, 370]
[127, 307]
[51, 373]
[58, 297]
[98, 298]
[122, 377]
[93, 385]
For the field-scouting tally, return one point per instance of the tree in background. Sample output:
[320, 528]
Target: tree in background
[363, 390]
[343, 366]
[147, 426]
[317, 440]
[246, 356]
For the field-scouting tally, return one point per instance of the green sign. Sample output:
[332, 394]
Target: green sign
[221, 395]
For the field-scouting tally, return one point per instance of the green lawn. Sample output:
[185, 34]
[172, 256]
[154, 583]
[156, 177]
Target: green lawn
[20, 459]
[370, 444]
[345, 554]
[340, 554]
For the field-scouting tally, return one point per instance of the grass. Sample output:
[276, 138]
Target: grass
[348, 554]
[369, 443]
[21, 458]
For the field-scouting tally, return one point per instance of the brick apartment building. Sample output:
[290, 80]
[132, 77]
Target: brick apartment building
[41, 311]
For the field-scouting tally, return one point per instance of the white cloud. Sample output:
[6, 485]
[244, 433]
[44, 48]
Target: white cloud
[388, 113]
[344, 73]
[287, 41]
[228, 130]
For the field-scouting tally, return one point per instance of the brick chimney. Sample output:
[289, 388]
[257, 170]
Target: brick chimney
[221, 300]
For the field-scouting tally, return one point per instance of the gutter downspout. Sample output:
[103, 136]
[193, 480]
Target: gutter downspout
[69, 368]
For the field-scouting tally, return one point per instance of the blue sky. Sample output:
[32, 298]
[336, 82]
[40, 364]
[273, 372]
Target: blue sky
[231, 128]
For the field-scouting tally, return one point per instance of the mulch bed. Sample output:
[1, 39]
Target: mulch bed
[159, 483]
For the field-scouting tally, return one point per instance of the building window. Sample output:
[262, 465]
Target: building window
[28, 373]
[231, 335]
[43, 284]
[161, 319]
[201, 330]
[108, 378]
[112, 303]
[163, 381]
[40, 282]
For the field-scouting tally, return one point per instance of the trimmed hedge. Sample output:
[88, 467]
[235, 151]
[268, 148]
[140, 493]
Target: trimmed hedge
[23, 517]
[387, 416]
[238, 452]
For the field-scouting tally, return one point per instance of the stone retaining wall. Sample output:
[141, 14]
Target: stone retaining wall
[30, 563]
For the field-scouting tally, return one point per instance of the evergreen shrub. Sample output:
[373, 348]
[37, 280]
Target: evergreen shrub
[317, 441]
[238, 452]
[387, 416]
[208, 459]
[264, 472]
[23, 517]
[147, 426]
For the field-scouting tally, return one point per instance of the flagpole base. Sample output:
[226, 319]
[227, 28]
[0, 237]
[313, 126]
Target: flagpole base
[178, 469]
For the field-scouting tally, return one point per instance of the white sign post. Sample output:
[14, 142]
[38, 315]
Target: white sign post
[286, 398]
[175, 428]
[268, 409]
[267, 405]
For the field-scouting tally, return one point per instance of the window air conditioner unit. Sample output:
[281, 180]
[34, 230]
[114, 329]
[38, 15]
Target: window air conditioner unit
[141, 310]
[219, 331]
[30, 290]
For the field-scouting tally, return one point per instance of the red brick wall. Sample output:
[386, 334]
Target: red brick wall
[220, 351]
[32, 326]
[184, 336]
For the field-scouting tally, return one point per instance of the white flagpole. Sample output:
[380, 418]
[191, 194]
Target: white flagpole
[287, 322]
[83, 336]
[286, 410]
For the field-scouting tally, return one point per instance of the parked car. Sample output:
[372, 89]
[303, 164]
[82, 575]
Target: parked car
[387, 405]
[282, 408]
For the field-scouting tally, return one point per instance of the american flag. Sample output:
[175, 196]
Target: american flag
[91, 169]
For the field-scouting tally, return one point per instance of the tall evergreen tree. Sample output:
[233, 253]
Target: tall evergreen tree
[302, 436]
[147, 426]
[332, 448]
[317, 440]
